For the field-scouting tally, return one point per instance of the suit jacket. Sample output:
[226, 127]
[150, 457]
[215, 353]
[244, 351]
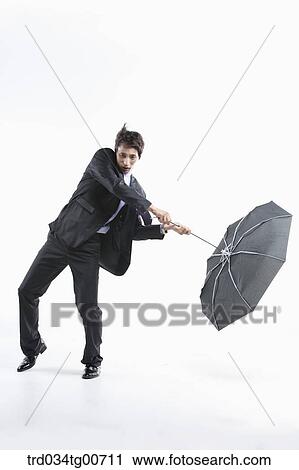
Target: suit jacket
[96, 198]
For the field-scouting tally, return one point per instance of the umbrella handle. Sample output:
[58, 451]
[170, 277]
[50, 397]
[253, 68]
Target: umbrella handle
[197, 236]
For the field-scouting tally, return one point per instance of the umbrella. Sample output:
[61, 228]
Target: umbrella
[244, 264]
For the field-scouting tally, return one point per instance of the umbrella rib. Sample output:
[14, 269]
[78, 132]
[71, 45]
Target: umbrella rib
[211, 270]
[257, 225]
[235, 285]
[256, 253]
[224, 239]
[236, 229]
[213, 293]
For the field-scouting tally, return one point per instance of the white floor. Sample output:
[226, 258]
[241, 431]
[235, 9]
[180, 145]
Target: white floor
[154, 395]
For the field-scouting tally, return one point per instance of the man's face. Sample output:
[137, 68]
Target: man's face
[126, 157]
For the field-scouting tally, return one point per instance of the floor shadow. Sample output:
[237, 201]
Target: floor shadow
[54, 370]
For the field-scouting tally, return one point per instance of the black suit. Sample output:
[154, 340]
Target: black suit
[73, 240]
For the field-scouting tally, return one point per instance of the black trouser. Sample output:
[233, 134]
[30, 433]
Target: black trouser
[51, 259]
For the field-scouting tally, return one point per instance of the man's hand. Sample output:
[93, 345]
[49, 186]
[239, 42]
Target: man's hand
[179, 228]
[163, 216]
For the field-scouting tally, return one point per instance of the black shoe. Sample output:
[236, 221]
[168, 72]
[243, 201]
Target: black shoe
[91, 372]
[29, 361]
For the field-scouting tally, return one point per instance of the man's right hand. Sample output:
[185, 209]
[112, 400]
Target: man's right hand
[163, 216]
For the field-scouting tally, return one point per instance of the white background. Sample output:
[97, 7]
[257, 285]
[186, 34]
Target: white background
[166, 68]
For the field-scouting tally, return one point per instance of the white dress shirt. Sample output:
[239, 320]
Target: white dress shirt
[105, 227]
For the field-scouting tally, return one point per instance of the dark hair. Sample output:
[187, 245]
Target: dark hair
[130, 139]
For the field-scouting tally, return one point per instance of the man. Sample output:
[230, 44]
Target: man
[95, 228]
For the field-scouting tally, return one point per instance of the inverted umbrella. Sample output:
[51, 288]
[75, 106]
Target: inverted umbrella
[244, 264]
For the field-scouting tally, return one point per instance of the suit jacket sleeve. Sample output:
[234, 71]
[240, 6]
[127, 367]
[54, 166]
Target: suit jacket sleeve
[101, 168]
[147, 231]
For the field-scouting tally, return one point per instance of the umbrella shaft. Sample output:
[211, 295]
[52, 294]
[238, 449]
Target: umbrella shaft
[197, 236]
[206, 241]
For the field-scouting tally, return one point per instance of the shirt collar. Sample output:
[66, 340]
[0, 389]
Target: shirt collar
[127, 176]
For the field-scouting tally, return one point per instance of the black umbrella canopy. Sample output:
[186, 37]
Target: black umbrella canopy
[244, 264]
